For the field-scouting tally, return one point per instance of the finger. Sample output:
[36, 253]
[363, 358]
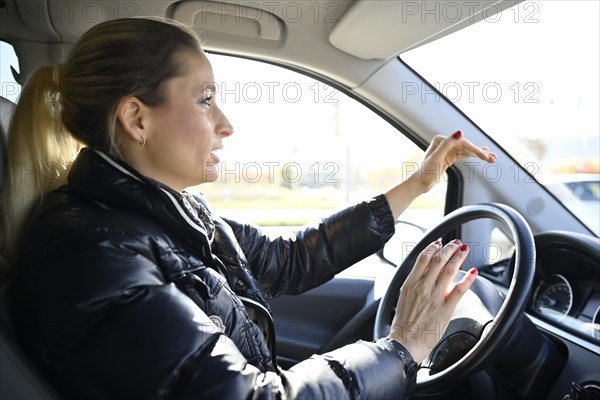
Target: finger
[480, 152]
[434, 144]
[424, 259]
[441, 258]
[445, 144]
[464, 148]
[451, 268]
[461, 288]
[494, 156]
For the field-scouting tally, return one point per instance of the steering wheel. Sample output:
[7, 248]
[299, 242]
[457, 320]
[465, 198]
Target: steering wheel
[484, 319]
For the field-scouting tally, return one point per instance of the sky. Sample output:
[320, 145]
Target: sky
[544, 56]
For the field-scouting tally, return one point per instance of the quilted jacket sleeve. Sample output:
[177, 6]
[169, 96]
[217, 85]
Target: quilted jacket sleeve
[315, 254]
[362, 370]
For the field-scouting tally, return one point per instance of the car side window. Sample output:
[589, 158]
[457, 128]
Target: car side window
[9, 89]
[302, 149]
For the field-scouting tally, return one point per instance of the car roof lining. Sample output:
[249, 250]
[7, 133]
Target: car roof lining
[255, 29]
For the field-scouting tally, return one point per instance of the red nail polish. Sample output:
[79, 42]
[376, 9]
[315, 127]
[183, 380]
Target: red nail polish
[457, 241]
[473, 271]
[456, 135]
[464, 247]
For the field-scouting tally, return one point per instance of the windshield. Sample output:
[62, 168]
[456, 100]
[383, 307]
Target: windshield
[529, 77]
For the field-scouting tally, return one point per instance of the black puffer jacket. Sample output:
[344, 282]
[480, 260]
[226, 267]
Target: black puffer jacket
[128, 289]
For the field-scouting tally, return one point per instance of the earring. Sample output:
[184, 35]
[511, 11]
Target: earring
[142, 140]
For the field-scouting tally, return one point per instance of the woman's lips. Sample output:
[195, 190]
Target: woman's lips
[215, 156]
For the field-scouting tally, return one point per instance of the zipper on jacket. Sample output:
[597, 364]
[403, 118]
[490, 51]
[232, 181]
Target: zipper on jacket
[272, 341]
[257, 305]
[200, 229]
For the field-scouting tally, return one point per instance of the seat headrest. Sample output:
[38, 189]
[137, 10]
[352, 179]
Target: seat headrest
[6, 110]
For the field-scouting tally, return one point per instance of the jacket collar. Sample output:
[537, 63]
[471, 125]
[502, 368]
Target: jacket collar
[112, 183]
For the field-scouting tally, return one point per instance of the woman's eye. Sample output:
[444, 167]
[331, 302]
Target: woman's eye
[206, 101]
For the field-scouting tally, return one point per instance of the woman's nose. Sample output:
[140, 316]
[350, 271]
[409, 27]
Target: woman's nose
[224, 127]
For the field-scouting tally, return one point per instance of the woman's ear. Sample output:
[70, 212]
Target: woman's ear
[131, 117]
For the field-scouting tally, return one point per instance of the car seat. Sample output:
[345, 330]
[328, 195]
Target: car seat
[19, 378]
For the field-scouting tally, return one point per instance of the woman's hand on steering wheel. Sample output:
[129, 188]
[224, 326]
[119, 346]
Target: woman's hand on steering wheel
[428, 297]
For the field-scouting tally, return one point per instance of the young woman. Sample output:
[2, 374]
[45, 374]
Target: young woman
[129, 287]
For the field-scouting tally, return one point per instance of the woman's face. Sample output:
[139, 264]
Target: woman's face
[187, 130]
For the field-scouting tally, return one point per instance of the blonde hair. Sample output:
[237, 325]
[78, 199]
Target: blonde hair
[64, 106]
[37, 153]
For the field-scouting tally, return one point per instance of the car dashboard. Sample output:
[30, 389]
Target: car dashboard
[564, 302]
[567, 287]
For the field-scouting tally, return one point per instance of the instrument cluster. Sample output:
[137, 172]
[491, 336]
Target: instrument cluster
[566, 289]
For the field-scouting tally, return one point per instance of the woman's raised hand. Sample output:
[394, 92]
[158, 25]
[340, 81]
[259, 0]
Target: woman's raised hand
[442, 153]
[439, 156]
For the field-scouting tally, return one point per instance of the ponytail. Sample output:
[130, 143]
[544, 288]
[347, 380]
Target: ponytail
[62, 106]
[39, 153]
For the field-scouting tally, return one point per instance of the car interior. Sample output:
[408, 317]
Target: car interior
[530, 327]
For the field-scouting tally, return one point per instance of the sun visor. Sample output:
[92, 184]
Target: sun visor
[385, 28]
